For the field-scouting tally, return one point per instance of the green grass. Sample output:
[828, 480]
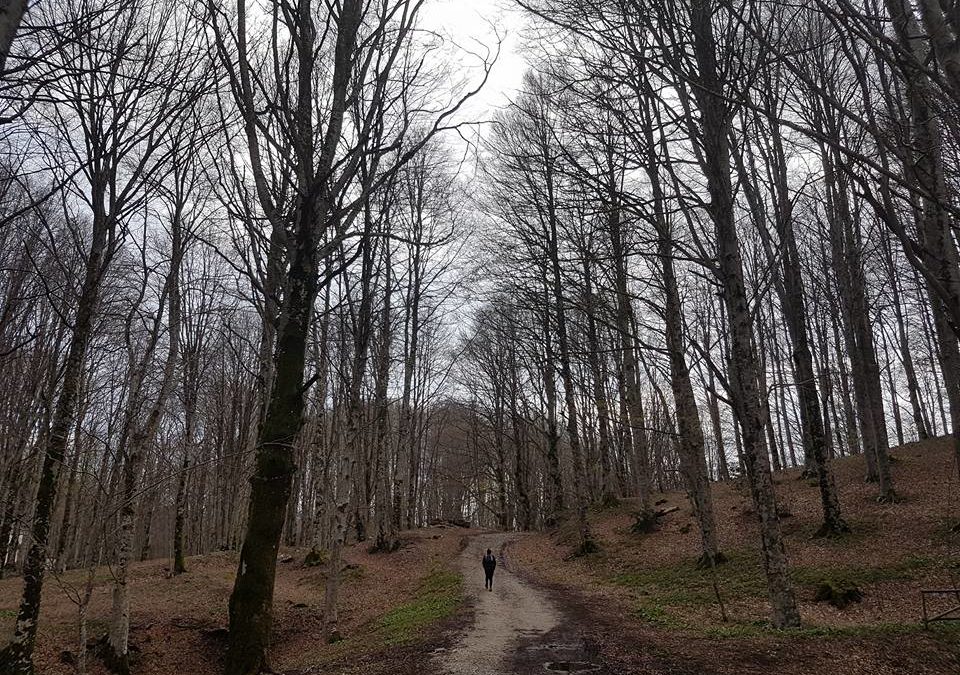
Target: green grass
[8, 614]
[656, 615]
[861, 530]
[437, 598]
[662, 591]
[742, 577]
[906, 569]
[686, 585]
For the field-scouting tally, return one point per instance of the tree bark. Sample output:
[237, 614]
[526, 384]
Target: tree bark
[11, 14]
[251, 602]
[17, 656]
[744, 372]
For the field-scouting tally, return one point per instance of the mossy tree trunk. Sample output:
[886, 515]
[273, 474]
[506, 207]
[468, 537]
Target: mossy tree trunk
[251, 602]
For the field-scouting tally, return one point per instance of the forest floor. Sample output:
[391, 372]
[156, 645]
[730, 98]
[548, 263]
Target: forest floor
[393, 609]
[643, 606]
[638, 606]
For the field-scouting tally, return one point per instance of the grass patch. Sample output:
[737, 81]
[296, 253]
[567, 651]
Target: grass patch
[664, 592]
[316, 558]
[353, 573]
[8, 614]
[656, 615]
[860, 531]
[437, 598]
[684, 584]
[905, 570]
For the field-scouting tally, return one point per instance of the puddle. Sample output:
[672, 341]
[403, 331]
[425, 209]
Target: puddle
[571, 667]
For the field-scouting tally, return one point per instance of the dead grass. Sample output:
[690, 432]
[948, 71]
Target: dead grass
[177, 622]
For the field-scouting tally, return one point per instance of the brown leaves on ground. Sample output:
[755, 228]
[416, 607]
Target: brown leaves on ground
[178, 622]
[643, 595]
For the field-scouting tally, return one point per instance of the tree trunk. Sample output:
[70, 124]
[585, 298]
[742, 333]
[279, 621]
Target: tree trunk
[140, 441]
[586, 544]
[713, 404]
[17, 657]
[691, 447]
[251, 602]
[624, 323]
[906, 354]
[352, 446]
[744, 374]
[848, 268]
[607, 494]
[555, 497]
[791, 291]
[926, 170]
[11, 14]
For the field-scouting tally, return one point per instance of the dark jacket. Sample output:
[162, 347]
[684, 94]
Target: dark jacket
[489, 563]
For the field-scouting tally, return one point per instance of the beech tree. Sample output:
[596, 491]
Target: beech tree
[255, 296]
[306, 196]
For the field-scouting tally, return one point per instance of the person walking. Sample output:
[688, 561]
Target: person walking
[489, 566]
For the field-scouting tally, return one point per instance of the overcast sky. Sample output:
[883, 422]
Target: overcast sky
[475, 24]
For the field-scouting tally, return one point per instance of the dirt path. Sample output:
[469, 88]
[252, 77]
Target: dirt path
[515, 627]
[511, 612]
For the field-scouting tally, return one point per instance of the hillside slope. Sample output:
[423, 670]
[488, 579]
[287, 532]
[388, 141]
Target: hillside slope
[391, 608]
[643, 595]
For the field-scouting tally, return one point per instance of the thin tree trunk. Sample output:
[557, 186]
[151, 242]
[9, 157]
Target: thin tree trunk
[906, 354]
[586, 544]
[142, 438]
[17, 657]
[607, 494]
